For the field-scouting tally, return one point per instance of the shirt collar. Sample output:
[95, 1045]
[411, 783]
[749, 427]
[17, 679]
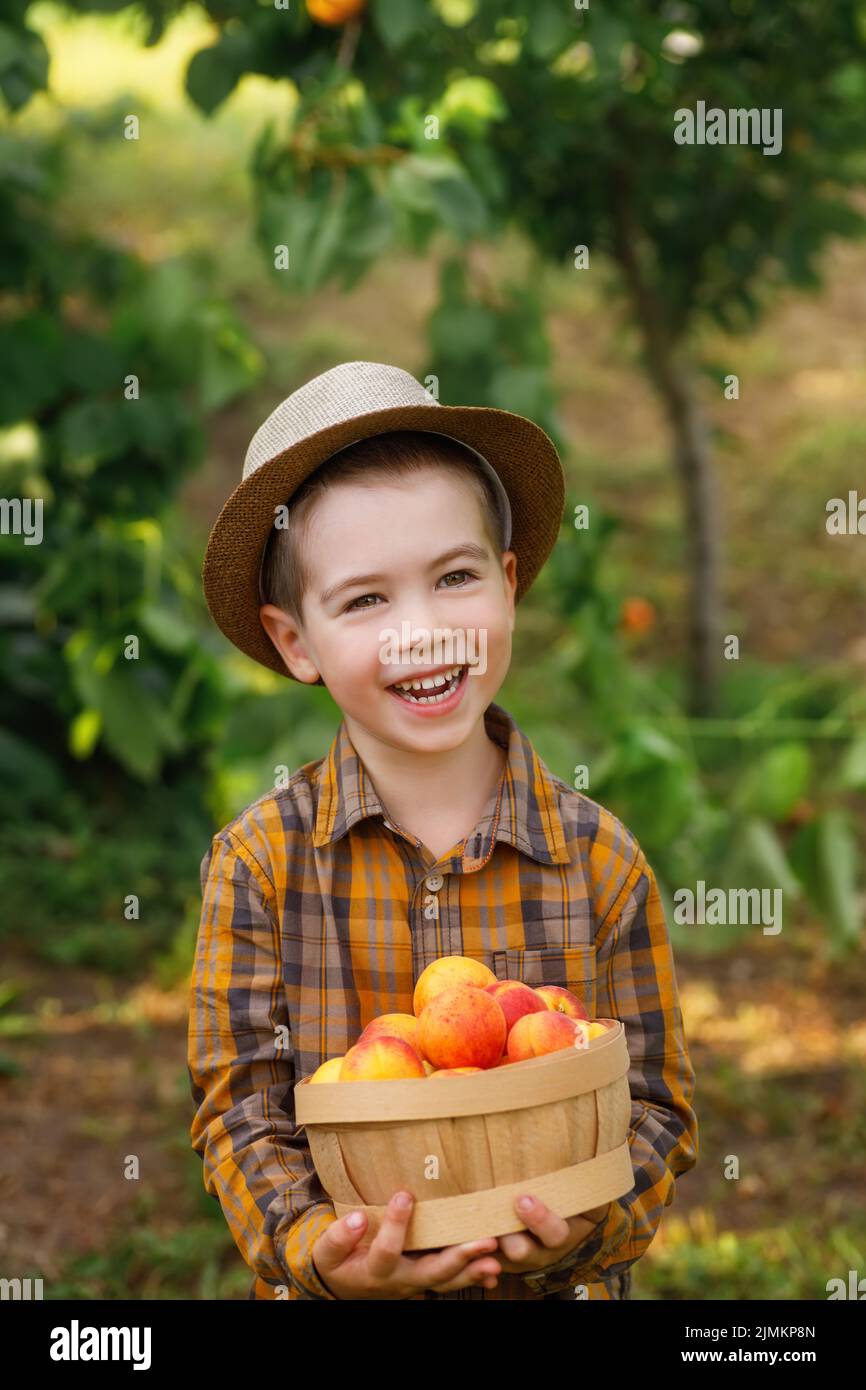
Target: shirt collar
[523, 810]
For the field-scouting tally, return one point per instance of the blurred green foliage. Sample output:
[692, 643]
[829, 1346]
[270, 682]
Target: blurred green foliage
[110, 699]
[126, 733]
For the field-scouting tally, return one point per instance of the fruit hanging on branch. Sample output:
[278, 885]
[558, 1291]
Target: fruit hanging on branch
[335, 13]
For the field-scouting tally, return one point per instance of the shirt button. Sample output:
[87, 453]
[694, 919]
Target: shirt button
[434, 882]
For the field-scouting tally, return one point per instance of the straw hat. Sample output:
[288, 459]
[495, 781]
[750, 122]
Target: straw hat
[351, 402]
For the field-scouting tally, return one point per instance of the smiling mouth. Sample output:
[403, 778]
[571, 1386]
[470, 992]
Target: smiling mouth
[433, 690]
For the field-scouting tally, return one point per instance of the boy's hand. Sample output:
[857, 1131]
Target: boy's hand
[549, 1238]
[381, 1270]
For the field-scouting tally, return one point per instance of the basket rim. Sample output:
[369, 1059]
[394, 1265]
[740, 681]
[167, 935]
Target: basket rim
[394, 1101]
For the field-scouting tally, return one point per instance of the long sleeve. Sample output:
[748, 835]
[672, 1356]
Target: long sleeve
[636, 984]
[255, 1160]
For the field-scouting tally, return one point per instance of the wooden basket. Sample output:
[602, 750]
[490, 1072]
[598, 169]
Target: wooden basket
[556, 1126]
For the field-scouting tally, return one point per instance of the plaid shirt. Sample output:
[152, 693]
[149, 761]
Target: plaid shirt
[319, 912]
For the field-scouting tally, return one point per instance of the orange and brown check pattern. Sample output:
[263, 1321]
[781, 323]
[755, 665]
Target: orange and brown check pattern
[320, 912]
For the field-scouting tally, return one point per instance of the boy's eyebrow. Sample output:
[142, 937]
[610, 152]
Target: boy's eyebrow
[476, 552]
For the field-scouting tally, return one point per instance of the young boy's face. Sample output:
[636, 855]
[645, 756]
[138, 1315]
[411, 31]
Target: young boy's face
[404, 547]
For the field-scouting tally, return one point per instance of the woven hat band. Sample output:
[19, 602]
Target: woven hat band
[346, 392]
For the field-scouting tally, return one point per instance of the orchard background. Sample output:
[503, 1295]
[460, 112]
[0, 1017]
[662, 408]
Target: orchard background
[488, 194]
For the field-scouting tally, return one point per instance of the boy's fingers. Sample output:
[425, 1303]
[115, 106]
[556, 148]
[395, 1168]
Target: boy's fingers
[550, 1229]
[517, 1246]
[449, 1264]
[387, 1247]
[338, 1241]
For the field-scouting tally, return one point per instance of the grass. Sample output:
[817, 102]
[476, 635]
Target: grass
[793, 1259]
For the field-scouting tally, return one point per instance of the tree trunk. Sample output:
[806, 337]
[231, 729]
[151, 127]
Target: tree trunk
[691, 458]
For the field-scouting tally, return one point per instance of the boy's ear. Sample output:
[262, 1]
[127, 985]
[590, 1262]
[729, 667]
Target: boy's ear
[287, 638]
[509, 571]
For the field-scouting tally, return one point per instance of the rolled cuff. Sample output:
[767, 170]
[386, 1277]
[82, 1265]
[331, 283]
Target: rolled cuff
[580, 1264]
[294, 1247]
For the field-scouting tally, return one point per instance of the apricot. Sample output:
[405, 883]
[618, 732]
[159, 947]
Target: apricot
[455, 1071]
[463, 1027]
[536, 1034]
[381, 1059]
[515, 999]
[445, 973]
[403, 1026]
[637, 615]
[335, 12]
[328, 1071]
[562, 1001]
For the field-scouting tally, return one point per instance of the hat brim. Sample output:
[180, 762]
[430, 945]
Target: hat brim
[522, 454]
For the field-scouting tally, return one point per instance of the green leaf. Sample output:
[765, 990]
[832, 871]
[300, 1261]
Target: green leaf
[607, 34]
[471, 103]
[84, 732]
[522, 390]
[851, 774]
[372, 221]
[229, 362]
[138, 728]
[462, 332]
[166, 628]
[27, 770]
[409, 184]
[460, 206]
[551, 28]
[213, 74]
[92, 432]
[32, 373]
[325, 247]
[23, 65]
[439, 185]
[825, 857]
[398, 20]
[291, 220]
[137, 723]
[774, 784]
[642, 745]
[762, 851]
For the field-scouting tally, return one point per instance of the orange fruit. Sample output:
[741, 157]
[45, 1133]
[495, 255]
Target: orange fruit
[335, 12]
[638, 615]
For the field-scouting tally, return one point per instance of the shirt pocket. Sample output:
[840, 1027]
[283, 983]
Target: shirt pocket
[571, 967]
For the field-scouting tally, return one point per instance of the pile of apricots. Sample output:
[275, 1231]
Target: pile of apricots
[464, 1020]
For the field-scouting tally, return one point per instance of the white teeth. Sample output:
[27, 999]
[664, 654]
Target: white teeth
[443, 685]
[431, 682]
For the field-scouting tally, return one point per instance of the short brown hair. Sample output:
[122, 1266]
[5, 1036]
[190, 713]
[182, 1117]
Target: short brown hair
[399, 453]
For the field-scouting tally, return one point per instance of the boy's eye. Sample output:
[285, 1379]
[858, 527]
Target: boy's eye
[358, 603]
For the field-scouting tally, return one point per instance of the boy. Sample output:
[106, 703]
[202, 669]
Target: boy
[430, 828]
